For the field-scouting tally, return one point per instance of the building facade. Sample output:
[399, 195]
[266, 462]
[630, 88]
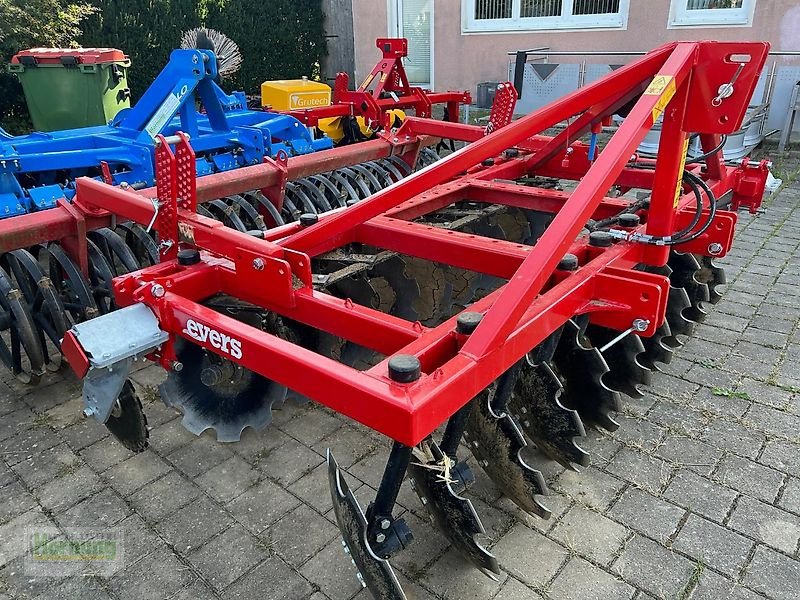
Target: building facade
[457, 43]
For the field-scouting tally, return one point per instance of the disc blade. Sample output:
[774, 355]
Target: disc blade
[497, 442]
[374, 573]
[626, 371]
[583, 368]
[536, 402]
[128, 422]
[455, 516]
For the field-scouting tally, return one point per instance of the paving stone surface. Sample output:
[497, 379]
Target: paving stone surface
[696, 496]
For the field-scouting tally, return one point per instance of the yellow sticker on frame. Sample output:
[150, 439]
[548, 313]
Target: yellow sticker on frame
[664, 86]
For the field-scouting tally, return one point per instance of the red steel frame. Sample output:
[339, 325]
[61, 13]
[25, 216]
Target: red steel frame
[391, 90]
[677, 80]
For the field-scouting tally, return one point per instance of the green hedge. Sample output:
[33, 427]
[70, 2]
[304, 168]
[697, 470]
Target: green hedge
[278, 39]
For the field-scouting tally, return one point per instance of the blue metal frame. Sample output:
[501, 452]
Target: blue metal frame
[39, 168]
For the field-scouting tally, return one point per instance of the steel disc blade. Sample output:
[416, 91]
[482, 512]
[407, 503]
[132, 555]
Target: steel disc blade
[375, 573]
[20, 346]
[241, 399]
[685, 269]
[626, 371]
[711, 275]
[497, 442]
[655, 350]
[583, 368]
[127, 422]
[536, 402]
[219, 394]
[678, 306]
[360, 291]
[405, 289]
[455, 516]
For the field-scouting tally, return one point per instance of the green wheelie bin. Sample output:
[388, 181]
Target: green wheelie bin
[66, 88]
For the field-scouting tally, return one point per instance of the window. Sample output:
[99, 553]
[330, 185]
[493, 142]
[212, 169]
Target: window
[715, 13]
[521, 15]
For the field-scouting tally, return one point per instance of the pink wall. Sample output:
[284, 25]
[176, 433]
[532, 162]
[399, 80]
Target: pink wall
[463, 60]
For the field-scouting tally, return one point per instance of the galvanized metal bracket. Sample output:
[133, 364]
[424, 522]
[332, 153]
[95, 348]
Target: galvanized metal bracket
[102, 387]
[110, 343]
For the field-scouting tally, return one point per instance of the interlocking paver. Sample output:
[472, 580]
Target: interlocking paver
[700, 495]
[767, 524]
[529, 556]
[713, 545]
[591, 535]
[750, 477]
[581, 580]
[653, 568]
[300, 534]
[243, 551]
[773, 574]
[594, 488]
[647, 514]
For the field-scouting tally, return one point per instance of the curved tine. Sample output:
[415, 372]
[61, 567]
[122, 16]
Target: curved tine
[391, 168]
[401, 165]
[253, 218]
[80, 302]
[375, 185]
[204, 212]
[118, 251]
[335, 193]
[426, 157]
[22, 344]
[43, 304]
[315, 194]
[261, 200]
[292, 212]
[352, 194]
[385, 179]
[226, 214]
[352, 176]
[44, 296]
[140, 242]
[101, 276]
[296, 192]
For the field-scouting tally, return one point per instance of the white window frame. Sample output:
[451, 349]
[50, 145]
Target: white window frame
[469, 24]
[680, 16]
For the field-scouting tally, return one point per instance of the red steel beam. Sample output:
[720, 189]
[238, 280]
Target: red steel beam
[520, 292]
[626, 77]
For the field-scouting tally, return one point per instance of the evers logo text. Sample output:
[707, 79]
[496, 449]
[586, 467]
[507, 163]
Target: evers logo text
[204, 333]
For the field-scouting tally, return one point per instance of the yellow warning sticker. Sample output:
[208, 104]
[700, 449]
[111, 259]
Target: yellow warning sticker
[663, 86]
[659, 84]
[679, 187]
